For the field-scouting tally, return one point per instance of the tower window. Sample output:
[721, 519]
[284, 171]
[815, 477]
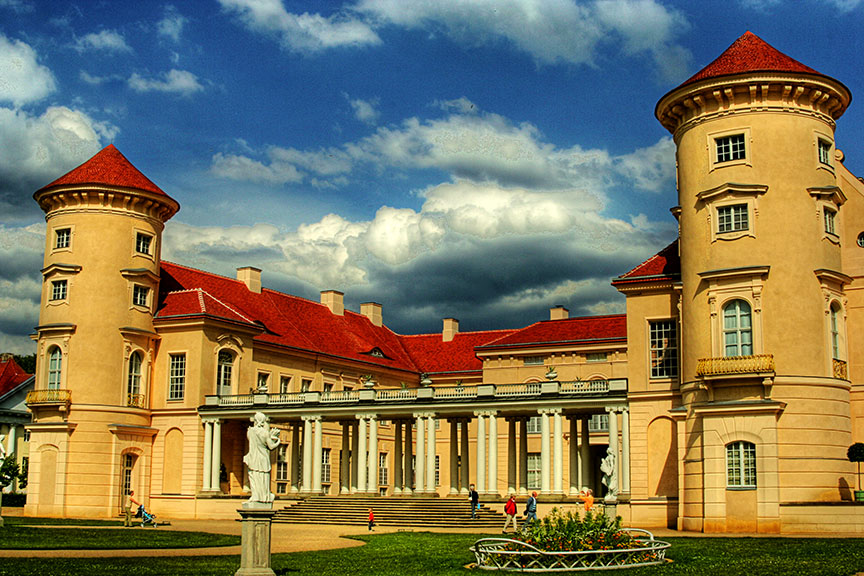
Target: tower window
[732, 218]
[59, 289]
[730, 148]
[55, 368]
[139, 295]
[62, 238]
[830, 217]
[133, 385]
[824, 152]
[737, 330]
[143, 243]
[741, 465]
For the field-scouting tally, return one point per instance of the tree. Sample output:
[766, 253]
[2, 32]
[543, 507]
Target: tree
[8, 472]
[27, 363]
[856, 454]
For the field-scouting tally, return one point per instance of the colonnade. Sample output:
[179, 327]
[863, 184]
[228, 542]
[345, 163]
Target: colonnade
[358, 465]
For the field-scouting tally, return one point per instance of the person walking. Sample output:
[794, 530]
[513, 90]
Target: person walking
[127, 508]
[475, 501]
[531, 509]
[510, 513]
[371, 519]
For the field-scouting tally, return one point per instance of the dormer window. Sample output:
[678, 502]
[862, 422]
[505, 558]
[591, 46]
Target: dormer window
[730, 148]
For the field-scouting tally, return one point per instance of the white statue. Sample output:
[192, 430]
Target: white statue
[262, 439]
[610, 476]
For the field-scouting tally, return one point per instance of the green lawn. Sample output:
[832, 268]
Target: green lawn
[42, 538]
[444, 554]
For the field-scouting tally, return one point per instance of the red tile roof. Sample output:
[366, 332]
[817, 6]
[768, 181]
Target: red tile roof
[11, 375]
[749, 53]
[108, 167]
[569, 330]
[286, 320]
[433, 355]
[666, 264]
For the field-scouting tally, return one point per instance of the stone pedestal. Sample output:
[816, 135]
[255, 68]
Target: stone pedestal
[611, 509]
[255, 544]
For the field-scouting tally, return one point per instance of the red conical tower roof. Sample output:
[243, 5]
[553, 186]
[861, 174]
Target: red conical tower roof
[749, 53]
[110, 168]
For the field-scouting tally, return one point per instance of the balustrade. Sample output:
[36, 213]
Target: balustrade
[49, 396]
[585, 387]
[757, 363]
[529, 388]
[840, 369]
[135, 400]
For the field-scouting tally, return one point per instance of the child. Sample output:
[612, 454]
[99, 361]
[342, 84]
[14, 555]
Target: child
[371, 519]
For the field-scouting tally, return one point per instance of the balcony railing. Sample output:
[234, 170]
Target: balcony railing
[585, 387]
[730, 365]
[341, 396]
[395, 395]
[527, 389]
[287, 398]
[45, 396]
[455, 392]
[238, 400]
[840, 369]
[135, 400]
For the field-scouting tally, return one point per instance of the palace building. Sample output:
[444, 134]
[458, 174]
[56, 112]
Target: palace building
[725, 398]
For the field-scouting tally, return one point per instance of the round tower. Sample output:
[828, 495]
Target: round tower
[763, 372]
[95, 334]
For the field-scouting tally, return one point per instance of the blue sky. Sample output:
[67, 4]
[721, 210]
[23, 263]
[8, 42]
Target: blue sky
[480, 160]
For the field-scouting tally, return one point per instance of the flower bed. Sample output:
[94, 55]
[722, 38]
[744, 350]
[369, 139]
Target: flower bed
[565, 542]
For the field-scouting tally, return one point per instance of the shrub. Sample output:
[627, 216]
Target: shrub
[558, 531]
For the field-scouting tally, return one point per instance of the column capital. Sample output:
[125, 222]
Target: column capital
[625, 409]
[549, 411]
[311, 418]
[486, 413]
[424, 414]
[612, 409]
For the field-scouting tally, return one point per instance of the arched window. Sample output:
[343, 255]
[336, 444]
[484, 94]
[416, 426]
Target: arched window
[737, 329]
[836, 319]
[741, 465]
[55, 367]
[133, 386]
[223, 373]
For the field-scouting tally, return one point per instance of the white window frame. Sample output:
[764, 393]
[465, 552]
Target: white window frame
[741, 465]
[263, 377]
[65, 246]
[533, 425]
[714, 139]
[326, 469]
[737, 219]
[735, 284]
[54, 372]
[137, 300]
[598, 423]
[829, 220]
[739, 331]
[823, 144]
[59, 290]
[383, 469]
[177, 372]
[728, 195]
[285, 381]
[134, 375]
[656, 354]
[532, 469]
[150, 243]
[225, 371]
[305, 385]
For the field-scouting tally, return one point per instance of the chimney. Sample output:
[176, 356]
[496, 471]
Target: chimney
[334, 300]
[559, 313]
[373, 311]
[250, 276]
[451, 328]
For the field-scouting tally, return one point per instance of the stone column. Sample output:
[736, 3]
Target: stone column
[397, 458]
[372, 483]
[585, 456]
[558, 454]
[361, 454]
[481, 451]
[625, 450]
[307, 454]
[207, 482]
[523, 456]
[574, 456]
[318, 454]
[295, 457]
[466, 458]
[409, 451]
[493, 454]
[345, 461]
[511, 456]
[430, 453]
[355, 449]
[454, 457]
[217, 455]
[420, 456]
[545, 456]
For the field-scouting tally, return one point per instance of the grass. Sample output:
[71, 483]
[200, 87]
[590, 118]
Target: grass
[422, 553]
[85, 538]
[28, 521]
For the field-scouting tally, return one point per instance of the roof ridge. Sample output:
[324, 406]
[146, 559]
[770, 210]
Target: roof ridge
[228, 306]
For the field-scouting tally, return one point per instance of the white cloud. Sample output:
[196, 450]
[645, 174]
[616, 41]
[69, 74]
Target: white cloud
[366, 110]
[460, 105]
[551, 31]
[175, 82]
[21, 253]
[652, 168]
[22, 79]
[302, 32]
[235, 167]
[172, 24]
[105, 40]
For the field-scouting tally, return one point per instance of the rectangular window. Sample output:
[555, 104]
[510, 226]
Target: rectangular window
[533, 360]
[176, 376]
[732, 218]
[282, 463]
[533, 468]
[824, 152]
[437, 470]
[328, 388]
[305, 385]
[598, 423]
[383, 472]
[829, 217]
[263, 381]
[534, 425]
[284, 384]
[664, 349]
[595, 357]
[730, 148]
[325, 466]
[143, 243]
[59, 289]
[741, 465]
[139, 295]
[62, 238]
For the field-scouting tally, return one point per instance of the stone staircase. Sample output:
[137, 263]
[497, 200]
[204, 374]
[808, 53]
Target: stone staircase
[414, 512]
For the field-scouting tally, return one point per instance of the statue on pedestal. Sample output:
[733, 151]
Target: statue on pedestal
[262, 439]
[610, 476]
